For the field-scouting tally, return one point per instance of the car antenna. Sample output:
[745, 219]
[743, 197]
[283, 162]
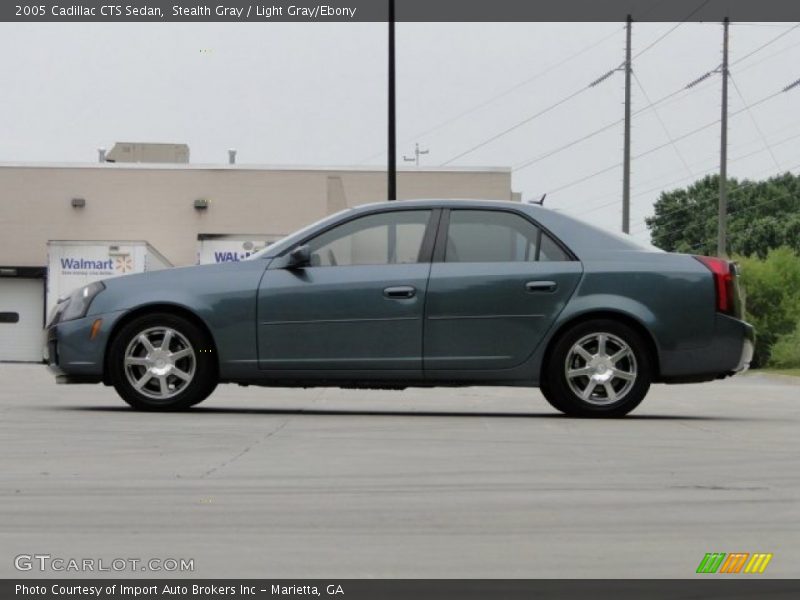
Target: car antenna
[540, 201]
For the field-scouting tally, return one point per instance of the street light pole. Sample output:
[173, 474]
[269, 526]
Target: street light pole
[392, 137]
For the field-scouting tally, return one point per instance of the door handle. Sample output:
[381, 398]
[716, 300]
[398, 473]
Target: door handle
[399, 292]
[541, 286]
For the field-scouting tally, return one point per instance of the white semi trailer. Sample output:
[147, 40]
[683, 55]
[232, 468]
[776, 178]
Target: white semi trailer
[72, 264]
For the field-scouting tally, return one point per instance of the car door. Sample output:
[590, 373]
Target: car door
[358, 305]
[497, 284]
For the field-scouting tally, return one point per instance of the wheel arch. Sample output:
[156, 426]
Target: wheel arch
[160, 307]
[614, 315]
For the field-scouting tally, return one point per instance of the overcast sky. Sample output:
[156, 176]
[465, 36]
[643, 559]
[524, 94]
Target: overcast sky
[315, 94]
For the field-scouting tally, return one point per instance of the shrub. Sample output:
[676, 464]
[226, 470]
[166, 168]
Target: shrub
[772, 298]
[786, 351]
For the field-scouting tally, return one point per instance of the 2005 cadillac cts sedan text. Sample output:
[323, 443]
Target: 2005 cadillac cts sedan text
[415, 293]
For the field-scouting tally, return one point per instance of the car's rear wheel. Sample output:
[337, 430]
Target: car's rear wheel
[162, 362]
[598, 368]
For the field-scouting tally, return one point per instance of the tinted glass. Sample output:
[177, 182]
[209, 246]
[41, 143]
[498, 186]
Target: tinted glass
[382, 239]
[496, 236]
[550, 251]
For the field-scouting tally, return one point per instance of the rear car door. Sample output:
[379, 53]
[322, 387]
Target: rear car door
[498, 281]
[358, 305]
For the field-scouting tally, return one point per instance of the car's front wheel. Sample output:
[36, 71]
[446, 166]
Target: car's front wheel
[162, 362]
[598, 368]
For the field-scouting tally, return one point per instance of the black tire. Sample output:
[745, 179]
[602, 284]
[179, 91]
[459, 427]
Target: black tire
[629, 378]
[175, 378]
[544, 388]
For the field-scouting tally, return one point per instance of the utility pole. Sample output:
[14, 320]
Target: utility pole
[626, 160]
[417, 152]
[722, 226]
[392, 137]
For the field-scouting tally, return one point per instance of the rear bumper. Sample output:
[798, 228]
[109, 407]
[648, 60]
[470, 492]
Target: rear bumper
[730, 352]
[71, 353]
[748, 347]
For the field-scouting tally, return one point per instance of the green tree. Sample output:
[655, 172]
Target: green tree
[762, 215]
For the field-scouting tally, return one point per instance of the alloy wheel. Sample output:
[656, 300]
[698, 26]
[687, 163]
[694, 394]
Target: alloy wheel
[600, 369]
[160, 363]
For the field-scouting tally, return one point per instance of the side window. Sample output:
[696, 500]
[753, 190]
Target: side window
[497, 236]
[550, 251]
[382, 239]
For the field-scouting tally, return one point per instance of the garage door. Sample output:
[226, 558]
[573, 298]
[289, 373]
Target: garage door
[21, 319]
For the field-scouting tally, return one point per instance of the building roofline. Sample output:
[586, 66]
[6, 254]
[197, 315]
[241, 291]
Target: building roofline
[245, 167]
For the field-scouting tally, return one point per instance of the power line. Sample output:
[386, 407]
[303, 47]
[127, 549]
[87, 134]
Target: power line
[554, 151]
[762, 46]
[645, 153]
[548, 70]
[658, 40]
[663, 100]
[735, 24]
[661, 146]
[581, 52]
[663, 125]
[519, 124]
[704, 173]
[508, 91]
[640, 228]
[753, 118]
[594, 83]
[586, 178]
[766, 58]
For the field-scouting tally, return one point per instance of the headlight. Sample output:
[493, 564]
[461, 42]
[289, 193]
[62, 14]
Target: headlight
[76, 306]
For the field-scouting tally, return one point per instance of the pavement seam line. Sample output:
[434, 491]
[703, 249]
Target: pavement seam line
[247, 449]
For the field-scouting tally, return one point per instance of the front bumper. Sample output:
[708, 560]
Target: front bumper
[72, 354]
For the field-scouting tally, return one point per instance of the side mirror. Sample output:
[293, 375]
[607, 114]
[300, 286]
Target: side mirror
[299, 257]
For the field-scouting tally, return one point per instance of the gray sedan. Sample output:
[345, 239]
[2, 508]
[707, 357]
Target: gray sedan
[415, 293]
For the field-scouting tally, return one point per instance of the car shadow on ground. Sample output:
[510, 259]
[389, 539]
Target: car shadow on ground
[234, 410]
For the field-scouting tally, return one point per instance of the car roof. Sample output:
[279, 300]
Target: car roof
[444, 203]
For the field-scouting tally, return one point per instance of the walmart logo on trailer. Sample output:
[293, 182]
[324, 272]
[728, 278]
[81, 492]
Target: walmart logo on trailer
[720, 562]
[120, 264]
[85, 264]
[222, 257]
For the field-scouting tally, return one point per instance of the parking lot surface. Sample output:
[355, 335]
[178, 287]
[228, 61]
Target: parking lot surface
[473, 482]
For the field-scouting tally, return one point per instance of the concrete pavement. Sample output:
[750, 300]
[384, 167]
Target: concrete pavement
[474, 482]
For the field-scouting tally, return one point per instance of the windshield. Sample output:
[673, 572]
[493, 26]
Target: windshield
[288, 241]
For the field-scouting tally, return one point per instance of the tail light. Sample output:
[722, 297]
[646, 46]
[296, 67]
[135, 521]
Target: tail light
[724, 282]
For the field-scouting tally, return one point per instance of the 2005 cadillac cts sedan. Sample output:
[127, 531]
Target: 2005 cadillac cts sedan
[415, 293]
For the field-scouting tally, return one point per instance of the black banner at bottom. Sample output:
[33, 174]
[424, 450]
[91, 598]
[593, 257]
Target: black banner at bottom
[399, 589]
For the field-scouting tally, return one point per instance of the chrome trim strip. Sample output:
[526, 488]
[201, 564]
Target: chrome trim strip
[452, 317]
[310, 322]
